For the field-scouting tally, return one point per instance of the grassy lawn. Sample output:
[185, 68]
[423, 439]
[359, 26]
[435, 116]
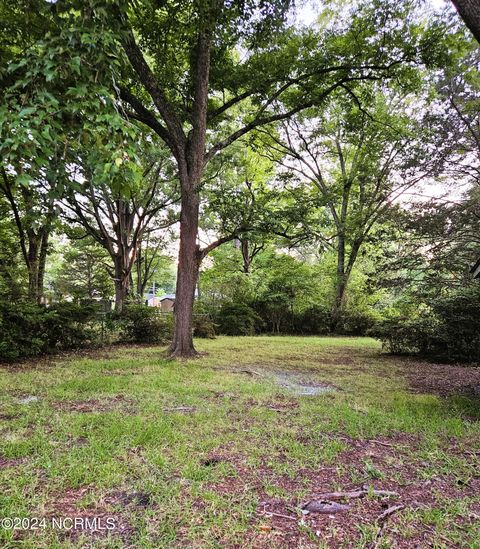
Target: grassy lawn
[223, 451]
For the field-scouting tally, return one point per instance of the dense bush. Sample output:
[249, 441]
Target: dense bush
[459, 316]
[237, 319]
[408, 335]
[312, 321]
[29, 330]
[71, 326]
[354, 323]
[23, 330]
[203, 326]
[142, 324]
[449, 330]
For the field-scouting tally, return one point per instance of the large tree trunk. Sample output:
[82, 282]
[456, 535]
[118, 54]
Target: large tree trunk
[191, 172]
[121, 293]
[469, 11]
[187, 276]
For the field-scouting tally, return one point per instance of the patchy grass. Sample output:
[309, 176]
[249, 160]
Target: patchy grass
[214, 453]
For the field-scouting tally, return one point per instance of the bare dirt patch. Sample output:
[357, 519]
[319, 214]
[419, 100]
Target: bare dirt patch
[11, 462]
[282, 403]
[376, 503]
[336, 361]
[69, 504]
[123, 498]
[441, 379]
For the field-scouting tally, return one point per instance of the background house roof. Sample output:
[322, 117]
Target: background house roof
[167, 296]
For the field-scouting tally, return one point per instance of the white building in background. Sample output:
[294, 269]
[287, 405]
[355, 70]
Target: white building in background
[165, 303]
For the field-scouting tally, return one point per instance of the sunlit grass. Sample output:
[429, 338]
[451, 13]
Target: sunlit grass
[133, 421]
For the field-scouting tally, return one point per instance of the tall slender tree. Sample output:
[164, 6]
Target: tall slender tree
[354, 165]
[34, 213]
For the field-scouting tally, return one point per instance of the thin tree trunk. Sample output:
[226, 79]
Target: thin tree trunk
[42, 260]
[33, 282]
[122, 283]
[138, 265]
[32, 267]
[130, 285]
[245, 255]
[344, 272]
[90, 277]
[340, 283]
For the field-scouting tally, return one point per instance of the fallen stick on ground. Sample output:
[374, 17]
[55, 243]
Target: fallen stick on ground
[325, 507]
[388, 512]
[249, 372]
[381, 521]
[272, 514]
[374, 441]
[357, 494]
[180, 409]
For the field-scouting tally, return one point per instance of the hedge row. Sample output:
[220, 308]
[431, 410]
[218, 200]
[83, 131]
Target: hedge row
[449, 330]
[28, 330]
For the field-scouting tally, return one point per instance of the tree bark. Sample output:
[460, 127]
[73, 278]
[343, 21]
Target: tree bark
[33, 244]
[121, 293]
[340, 283]
[42, 260]
[344, 272]
[191, 168]
[140, 280]
[245, 255]
[35, 262]
[189, 259]
[469, 11]
[32, 267]
[122, 282]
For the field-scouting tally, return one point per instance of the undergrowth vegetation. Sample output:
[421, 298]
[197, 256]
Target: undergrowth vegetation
[448, 330]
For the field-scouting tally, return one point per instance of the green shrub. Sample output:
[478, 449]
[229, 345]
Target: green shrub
[23, 330]
[312, 321]
[142, 324]
[459, 335]
[407, 335]
[203, 326]
[71, 326]
[449, 331]
[27, 329]
[237, 319]
[354, 323]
